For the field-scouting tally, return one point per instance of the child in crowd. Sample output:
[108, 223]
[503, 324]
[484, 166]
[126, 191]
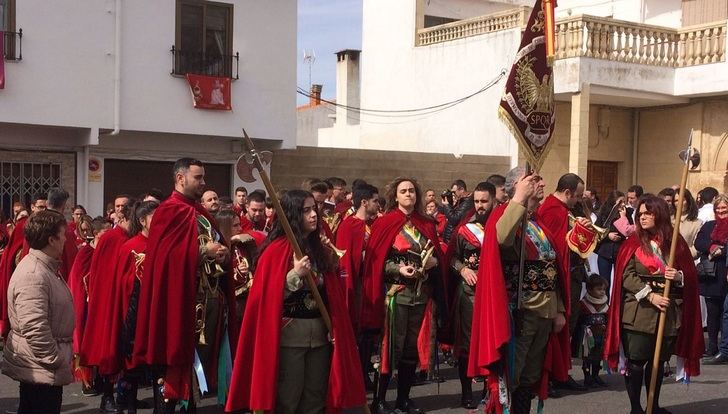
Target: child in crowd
[591, 329]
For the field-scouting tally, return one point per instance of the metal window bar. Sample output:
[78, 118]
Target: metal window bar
[22, 181]
[13, 42]
[209, 64]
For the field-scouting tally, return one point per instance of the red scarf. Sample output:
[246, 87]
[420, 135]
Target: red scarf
[7, 267]
[719, 235]
[489, 334]
[255, 372]
[95, 349]
[350, 237]
[690, 343]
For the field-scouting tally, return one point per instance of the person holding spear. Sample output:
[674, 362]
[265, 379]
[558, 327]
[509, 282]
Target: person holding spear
[639, 300]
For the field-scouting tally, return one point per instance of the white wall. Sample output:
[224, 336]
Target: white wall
[66, 75]
[656, 12]
[465, 9]
[398, 75]
[308, 122]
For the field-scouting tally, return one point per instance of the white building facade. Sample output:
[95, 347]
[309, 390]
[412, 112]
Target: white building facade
[626, 73]
[99, 104]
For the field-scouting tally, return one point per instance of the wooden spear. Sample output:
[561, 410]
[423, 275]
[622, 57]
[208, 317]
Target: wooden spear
[688, 157]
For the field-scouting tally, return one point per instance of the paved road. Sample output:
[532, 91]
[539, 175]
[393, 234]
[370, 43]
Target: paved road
[707, 394]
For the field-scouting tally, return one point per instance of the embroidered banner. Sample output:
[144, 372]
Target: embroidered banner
[210, 92]
[527, 106]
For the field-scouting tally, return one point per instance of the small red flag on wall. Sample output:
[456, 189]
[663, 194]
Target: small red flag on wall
[210, 92]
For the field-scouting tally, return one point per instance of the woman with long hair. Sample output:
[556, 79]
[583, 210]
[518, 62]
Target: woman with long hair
[689, 223]
[401, 277]
[607, 249]
[711, 245]
[638, 299]
[287, 361]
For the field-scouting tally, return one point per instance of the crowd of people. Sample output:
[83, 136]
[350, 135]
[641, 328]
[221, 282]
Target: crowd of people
[198, 295]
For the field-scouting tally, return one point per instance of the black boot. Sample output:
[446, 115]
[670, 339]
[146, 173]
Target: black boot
[404, 383]
[596, 366]
[379, 403]
[633, 381]
[131, 397]
[588, 379]
[656, 409]
[466, 384]
[521, 400]
[108, 404]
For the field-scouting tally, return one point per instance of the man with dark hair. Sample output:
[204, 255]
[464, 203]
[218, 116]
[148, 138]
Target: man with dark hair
[591, 197]
[40, 203]
[554, 213]
[241, 194]
[210, 201]
[705, 202]
[254, 218]
[57, 198]
[154, 194]
[338, 189]
[634, 192]
[320, 192]
[464, 252]
[184, 266]
[351, 237]
[462, 203]
[668, 194]
[499, 182]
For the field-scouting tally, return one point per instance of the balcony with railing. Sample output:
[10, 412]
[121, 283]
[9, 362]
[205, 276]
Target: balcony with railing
[509, 19]
[200, 63]
[13, 45]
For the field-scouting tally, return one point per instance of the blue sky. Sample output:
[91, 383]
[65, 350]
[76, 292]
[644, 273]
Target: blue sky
[326, 26]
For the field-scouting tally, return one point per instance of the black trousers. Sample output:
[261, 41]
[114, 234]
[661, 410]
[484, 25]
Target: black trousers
[714, 306]
[40, 398]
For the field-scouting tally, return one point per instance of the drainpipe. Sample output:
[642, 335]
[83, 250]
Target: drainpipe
[117, 68]
[635, 143]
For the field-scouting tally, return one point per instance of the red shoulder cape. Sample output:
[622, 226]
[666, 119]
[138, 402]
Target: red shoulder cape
[166, 333]
[690, 343]
[384, 230]
[81, 266]
[343, 207]
[255, 373]
[101, 291]
[490, 333]
[7, 267]
[350, 237]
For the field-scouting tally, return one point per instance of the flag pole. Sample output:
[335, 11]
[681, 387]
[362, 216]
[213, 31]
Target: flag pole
[668, 283]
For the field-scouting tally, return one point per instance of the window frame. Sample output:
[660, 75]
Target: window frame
[204, 3]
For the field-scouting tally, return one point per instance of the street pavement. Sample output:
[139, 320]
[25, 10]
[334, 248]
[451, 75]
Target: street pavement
[706, 394]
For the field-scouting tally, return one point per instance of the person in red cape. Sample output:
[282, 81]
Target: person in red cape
[254, 218]
[637, 301]
[241, 195]
[8, 261]
[554, 212]
[399, 288]
[285, 362]
[95, 349]
[57, 199]
[540, 344]
[128, 279]
[463, 256]
[77, 283]
[352, 237]
[183, 297]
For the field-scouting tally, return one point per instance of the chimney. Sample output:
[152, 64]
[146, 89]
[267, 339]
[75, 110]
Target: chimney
[315, 95]
[347, 86]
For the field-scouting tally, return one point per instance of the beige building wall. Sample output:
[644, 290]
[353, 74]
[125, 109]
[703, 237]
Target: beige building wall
[437, 171]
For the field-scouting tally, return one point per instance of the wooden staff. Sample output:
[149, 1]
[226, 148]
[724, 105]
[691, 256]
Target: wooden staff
[668, 283]
[281, 215]
[290, 236]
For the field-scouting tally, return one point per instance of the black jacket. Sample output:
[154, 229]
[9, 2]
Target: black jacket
[713, 286]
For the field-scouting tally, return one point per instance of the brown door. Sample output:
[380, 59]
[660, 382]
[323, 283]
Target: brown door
[602, 176]
[138, 177]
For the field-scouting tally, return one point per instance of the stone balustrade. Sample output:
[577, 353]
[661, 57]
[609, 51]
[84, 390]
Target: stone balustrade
[622, 41]
[602, 38]
[461, 29]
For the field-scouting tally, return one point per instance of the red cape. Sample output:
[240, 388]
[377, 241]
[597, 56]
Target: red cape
[255, 373]
[450, 334]
[70, 249]
[7, 267]
[384, 230]
[690, 343]
[343, 207]
[101, 293]
[165, 335]
[489, 334]
[350, 237]
[80, 268]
